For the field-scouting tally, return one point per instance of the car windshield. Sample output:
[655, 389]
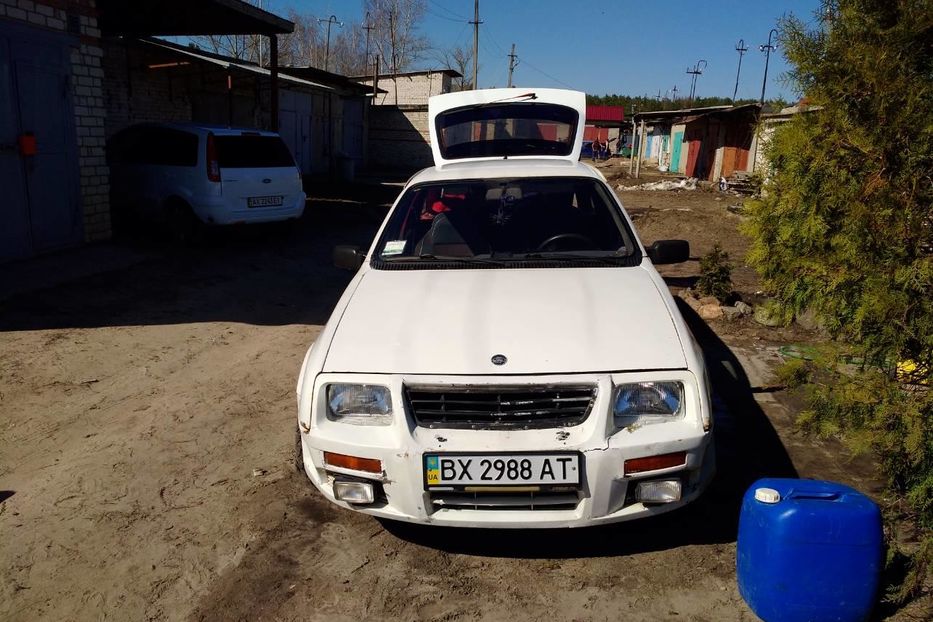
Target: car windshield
[506, 220]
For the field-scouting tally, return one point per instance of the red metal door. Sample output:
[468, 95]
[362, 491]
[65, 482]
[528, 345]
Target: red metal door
[693, 152]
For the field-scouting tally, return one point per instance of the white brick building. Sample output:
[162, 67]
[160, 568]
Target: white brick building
[52, 164]
[57, 105]
[414, 87]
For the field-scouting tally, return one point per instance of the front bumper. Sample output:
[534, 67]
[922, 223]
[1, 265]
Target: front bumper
[606, 493]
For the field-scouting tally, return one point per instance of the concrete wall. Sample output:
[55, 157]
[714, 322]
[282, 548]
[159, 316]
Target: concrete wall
[412, 90]
[79, 18]
[399, 139]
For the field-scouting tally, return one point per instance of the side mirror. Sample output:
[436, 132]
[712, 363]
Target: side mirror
[669, 251]
[348, 257]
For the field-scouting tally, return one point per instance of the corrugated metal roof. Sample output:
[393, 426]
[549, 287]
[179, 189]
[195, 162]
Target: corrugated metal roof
[231, 63]
[604, 113]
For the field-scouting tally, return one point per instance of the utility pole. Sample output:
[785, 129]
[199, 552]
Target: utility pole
[330, 21]
[741, 49]
[766, 48]
[476, 24]
[512, 64]
[695, 72]
[674, 93]
[369, 26]
[394, 56]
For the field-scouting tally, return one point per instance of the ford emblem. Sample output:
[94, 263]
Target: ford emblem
[499, 359]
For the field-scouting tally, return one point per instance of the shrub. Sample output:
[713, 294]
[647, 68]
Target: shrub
[715, 274]
[844, 226]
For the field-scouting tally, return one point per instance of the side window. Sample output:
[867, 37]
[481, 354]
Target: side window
[169, 147]
[119, 147]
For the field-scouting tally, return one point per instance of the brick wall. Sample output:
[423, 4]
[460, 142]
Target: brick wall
[413, 90]
[79, 18]
[133, 94]
[398, 138]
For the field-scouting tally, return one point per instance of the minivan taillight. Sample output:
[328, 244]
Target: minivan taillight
[213, 166]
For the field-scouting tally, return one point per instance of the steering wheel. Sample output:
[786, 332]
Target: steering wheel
[566, 236]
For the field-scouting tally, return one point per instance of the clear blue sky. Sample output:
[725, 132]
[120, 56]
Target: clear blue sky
[633, 47]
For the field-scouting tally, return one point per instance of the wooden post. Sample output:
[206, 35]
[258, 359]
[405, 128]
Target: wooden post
[274, 74]
[641, 148]
[631, 153]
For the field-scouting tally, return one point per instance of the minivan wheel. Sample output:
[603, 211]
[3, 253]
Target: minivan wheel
[183, 226]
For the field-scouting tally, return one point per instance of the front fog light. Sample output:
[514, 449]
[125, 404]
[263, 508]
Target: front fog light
[658, 491]
[354, 492]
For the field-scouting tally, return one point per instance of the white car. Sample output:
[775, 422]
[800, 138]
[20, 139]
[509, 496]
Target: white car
[507, 355]
[185, 174]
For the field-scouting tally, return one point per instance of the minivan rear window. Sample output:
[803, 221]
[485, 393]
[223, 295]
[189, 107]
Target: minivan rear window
[252, 152]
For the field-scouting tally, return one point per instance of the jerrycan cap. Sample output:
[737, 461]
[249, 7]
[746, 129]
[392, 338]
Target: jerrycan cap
[767, 495]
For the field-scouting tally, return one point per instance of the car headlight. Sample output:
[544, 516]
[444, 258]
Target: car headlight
[359, 404]
[648, 402]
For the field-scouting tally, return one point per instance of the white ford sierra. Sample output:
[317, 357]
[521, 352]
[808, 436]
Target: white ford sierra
[507, 355]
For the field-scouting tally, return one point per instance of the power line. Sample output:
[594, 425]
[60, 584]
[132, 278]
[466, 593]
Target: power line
[444, 8]
[547, 75]
[449, 19]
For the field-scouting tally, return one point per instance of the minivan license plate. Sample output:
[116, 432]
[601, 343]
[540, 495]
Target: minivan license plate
[446, 470]
[264, 201]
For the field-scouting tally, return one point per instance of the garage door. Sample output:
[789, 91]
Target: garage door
[40, 209]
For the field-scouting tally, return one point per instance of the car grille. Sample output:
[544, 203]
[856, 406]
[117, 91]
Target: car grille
[505, 501]
[497, 407]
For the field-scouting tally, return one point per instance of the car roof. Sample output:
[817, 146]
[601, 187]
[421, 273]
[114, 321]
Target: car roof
[517, 167]
[220, 130]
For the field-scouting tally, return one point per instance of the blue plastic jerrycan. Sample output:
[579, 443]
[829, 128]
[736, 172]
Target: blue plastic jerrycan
[808, 551]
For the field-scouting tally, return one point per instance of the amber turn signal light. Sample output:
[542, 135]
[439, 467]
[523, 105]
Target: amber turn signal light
[367, 465]
[653, 463]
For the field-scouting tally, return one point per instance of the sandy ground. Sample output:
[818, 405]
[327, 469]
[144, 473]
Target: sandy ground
[146, 439]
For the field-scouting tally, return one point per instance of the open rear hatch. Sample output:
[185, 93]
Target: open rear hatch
[494, 124]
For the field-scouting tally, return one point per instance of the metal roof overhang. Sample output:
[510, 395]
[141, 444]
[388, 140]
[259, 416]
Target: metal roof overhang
[224, 62]
[688, 115]
[187, 18]
[337, 80]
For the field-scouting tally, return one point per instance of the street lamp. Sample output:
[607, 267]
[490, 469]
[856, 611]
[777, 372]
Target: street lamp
[329, 21]
[766, 48]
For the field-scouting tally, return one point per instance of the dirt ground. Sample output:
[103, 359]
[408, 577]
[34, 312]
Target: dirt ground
[146, 439]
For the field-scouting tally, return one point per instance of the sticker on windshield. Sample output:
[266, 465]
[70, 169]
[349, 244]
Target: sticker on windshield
[394, 247]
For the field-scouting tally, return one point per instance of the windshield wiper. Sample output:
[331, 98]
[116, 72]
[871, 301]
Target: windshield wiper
[557, 255]
[447, 258]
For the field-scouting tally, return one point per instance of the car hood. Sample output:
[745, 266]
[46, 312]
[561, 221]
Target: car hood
[564, 320]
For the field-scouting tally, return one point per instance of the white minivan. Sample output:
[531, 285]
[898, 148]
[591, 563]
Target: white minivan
[186, 174]
[506, 354]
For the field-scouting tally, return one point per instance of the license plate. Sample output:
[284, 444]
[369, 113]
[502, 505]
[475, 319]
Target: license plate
[264, 201]
[461, 470]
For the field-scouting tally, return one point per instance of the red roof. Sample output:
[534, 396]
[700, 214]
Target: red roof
[604, 113]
